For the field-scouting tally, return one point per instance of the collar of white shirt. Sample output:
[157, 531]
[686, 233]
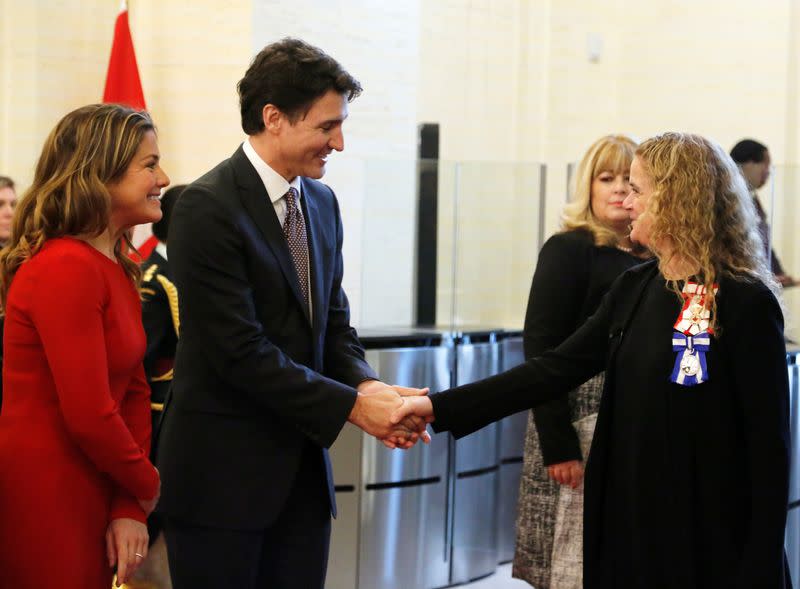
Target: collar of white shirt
[275, 184]
[161, 248]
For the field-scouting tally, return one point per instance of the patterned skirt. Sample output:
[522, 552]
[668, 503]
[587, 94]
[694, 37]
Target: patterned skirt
[549, 545]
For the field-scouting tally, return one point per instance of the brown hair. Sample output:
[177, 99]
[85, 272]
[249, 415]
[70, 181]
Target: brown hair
[88, 149]
[701, 205]
[291, 74]
[611, 153]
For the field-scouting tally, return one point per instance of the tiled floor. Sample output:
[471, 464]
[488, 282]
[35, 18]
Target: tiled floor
[501, 579]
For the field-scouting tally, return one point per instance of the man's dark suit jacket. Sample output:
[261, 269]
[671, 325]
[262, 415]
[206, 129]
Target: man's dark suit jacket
[255, 380]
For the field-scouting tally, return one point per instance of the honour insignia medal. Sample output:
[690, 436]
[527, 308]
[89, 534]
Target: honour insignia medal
[690, 361]
[694, 317]
[690, 365]
[691, 339]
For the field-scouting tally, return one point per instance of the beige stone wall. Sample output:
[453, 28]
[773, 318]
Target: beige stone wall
[512, 80]
[191, 55]
[508, 81]
[374, 178]
[54, 57]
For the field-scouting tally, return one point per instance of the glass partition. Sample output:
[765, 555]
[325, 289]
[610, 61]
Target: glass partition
[489, 218]
[490, 234]
[779, 199]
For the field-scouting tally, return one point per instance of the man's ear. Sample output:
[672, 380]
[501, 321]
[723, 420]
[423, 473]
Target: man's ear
[273, 118]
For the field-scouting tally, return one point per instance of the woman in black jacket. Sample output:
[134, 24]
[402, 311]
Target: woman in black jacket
[576, 267]
[686, 484]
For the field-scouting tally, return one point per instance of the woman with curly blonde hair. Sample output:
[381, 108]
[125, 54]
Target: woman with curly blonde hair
[576, 267]
[686, 485]
[76, 484]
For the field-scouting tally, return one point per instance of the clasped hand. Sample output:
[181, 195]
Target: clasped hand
[375, 406]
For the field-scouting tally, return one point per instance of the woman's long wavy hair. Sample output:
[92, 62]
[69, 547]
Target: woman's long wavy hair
[88, 149]
[701, 206]
[612, 153]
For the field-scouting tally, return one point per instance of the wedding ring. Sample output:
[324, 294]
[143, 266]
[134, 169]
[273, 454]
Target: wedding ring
[139, 555]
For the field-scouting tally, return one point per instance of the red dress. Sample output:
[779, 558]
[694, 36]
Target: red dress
[75, 422]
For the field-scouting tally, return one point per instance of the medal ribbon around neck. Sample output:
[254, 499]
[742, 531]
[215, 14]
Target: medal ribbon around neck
[690, 362]
[692, 337]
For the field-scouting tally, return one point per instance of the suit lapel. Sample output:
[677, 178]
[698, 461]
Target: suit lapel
[257, 203]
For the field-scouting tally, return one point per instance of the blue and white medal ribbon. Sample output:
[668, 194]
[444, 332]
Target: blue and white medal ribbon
[690, 362]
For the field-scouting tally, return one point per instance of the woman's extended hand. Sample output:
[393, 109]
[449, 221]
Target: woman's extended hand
[126, 547]
[567, 473]
[414, 406]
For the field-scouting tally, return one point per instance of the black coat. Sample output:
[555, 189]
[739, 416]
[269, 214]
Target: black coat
[572, 275]
[689, 487]
[255, 381]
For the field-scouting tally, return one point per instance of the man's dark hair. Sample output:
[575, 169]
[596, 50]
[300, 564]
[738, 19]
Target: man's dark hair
[168, 200]
[6, 182]
[748, 150]
[291, 74]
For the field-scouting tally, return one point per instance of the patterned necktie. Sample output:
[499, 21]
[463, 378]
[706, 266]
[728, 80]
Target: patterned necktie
[294, 228]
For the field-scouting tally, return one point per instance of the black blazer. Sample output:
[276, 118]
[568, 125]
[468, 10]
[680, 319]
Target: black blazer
[255, 379]
[726, 469]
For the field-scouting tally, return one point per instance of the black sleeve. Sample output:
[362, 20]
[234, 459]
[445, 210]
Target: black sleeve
[156, 319]
[761, 391]
[558, 292]
[558, 289]
[207, 262]
[465, 409]
[344, 354]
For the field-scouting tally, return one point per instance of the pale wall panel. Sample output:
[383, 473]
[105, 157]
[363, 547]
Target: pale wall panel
[508, 80]
[374, 179]
[54, 59]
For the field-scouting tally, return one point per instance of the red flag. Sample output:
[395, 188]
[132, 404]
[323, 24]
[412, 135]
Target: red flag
[122, 81]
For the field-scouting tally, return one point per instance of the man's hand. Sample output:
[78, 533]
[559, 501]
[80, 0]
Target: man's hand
[410, 391]
[567, 473]
[372, 409]
[406, 432]
[374, 386]
[126, 547]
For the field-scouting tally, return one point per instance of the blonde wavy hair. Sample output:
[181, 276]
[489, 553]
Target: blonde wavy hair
[88, 149]
[702, 207]
[611, 153]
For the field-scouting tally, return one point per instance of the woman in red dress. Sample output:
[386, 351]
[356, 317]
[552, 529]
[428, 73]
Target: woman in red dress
[76, 484]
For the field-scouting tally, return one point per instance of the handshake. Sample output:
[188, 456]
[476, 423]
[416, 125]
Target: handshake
[397, 416]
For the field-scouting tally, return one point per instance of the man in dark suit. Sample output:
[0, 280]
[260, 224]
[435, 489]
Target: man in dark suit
[755, 163]
[268, 368]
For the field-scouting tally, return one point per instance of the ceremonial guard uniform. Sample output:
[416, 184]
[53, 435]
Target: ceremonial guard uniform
[161, 323]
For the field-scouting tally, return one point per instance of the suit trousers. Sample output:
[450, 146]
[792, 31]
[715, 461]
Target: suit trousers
[290, 553]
